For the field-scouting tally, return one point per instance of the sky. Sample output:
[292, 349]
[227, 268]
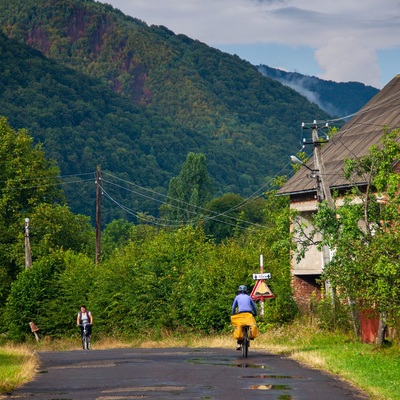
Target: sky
[338, 40]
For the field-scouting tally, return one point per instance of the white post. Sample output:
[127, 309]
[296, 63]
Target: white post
[262, 300]
[28, 255]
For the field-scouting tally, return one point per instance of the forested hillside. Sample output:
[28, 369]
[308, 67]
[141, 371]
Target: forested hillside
[135, 99]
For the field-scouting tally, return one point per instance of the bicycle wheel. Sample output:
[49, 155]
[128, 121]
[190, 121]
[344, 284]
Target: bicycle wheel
[85, 342]
[245, 345]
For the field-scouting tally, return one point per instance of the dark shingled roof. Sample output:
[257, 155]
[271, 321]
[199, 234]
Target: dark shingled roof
[352, 141]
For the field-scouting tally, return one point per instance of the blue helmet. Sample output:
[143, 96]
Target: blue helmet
[242, 288]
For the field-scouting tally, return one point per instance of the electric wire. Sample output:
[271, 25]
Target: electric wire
[199, 208]
[365, 110]
[375, 106]
[61, 183]
[224, 213]
[168, 222]
[246, 200]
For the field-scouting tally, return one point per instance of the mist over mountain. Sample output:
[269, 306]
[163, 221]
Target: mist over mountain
[336, 98]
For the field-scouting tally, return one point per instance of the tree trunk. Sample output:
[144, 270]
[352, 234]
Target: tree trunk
[382, 328]
[355, 317]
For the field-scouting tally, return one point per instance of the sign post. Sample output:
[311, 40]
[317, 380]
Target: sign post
[260, 290]
[261, 271]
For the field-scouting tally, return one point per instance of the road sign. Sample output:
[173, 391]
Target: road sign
[266, 275]
[261, 291]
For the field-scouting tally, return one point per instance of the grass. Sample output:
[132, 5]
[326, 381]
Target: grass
[376, 371]
[18, 364]
[372, 369]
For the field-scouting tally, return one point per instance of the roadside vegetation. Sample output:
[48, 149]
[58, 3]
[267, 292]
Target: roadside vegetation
[18, 365]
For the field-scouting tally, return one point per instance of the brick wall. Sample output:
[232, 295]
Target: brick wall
[303, 288]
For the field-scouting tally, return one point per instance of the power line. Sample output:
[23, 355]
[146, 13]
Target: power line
[43, 185]
[251, 197]
[203, 217]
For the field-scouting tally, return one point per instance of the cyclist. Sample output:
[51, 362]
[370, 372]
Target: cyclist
[85, 317]
[244, 304]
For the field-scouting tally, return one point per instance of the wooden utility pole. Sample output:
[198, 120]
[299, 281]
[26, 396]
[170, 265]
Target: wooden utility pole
[98, 214]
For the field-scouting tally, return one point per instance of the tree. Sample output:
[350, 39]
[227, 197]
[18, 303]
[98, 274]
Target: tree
[230, 213]
[116, 234]
[55, 227]
[27, 179]
[190, 191]
[29, 187]
[364, 233]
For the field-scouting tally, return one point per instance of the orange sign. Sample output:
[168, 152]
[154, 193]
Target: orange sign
[261, 291]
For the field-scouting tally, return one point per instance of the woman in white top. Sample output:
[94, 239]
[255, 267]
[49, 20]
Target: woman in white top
[85, 317]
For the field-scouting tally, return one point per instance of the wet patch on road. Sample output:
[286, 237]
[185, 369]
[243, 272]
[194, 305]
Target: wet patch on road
[146, 389]
[135, 392]
[269, 387]
[273, 377]
[284, 388]
[122, 398]
[225, 363]
[86, 364]
[246, 365]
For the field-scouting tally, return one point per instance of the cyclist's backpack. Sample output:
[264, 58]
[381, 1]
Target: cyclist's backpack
[80, 316]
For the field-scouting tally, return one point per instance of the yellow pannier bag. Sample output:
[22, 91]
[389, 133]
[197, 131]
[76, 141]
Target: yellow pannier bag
[238, 333]
[244, 319]
[253, 332]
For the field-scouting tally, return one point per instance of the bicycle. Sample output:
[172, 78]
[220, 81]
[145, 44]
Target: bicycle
[246, 341]
[85, 336]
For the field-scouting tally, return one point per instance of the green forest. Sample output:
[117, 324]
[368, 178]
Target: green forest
[96, 87]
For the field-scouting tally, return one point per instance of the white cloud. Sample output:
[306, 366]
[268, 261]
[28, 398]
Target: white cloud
[337, 30]
[348, 57]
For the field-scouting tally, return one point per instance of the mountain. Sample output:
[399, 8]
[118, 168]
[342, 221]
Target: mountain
[339, 99]
[97, 87]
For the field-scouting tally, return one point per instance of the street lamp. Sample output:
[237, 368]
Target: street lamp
[298, 161]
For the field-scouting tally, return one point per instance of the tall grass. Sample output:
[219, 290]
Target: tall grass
[18, 364]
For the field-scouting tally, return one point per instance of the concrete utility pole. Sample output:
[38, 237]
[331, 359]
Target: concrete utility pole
[321, 184]
[28, 254]
[98, 214]
[319, 164]
[323, 189]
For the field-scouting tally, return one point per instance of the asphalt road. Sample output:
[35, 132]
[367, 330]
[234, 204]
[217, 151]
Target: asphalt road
[183, 373]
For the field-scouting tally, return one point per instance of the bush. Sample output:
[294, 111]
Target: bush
[49, 294]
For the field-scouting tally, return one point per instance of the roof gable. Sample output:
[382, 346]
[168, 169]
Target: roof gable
[352, 141]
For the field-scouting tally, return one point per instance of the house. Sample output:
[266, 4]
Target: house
[353, 140]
